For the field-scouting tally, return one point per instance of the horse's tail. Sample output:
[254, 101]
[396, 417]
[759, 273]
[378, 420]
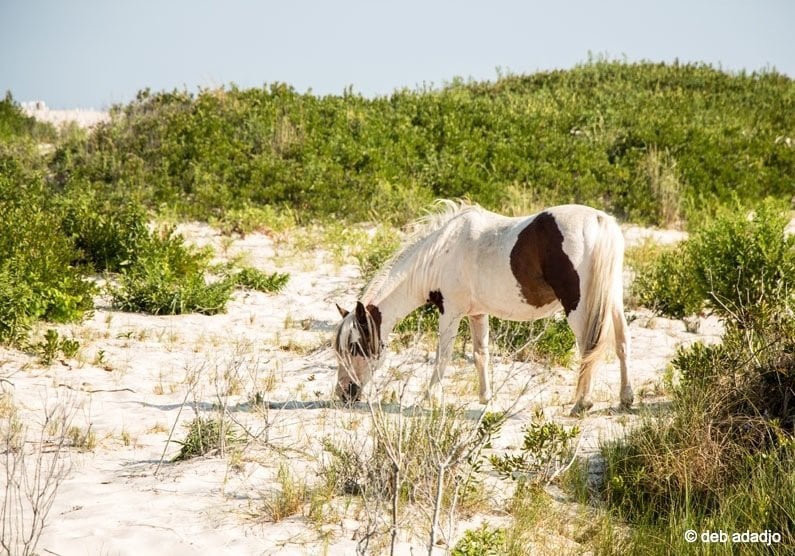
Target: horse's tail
[605, 289]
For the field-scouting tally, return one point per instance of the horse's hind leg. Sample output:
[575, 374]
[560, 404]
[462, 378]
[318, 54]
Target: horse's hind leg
[479, 326]
[582, 396]
[623, 351]
[448, 328]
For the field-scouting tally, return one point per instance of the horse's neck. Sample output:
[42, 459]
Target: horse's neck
[396, 300]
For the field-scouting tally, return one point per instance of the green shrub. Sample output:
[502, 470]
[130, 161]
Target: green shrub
[545, 446]
[723, 459]
[738, 264]
[37, 277]
[255, 279]
[206, 435]
[744, 264]
[109, 238]
[483, 541]
[166, 277]
[667, 285]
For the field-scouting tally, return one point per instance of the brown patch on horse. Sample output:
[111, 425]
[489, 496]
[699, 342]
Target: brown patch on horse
[436, 298]
[542, 268]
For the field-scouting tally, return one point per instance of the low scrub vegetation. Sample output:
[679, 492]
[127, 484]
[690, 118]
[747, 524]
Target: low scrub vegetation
[651, 142]
[738, 265]
[206, 435]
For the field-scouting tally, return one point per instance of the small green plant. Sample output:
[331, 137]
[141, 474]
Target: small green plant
[53, 344]
[544, 448]
[483, 541]
[256, 279]
[82, 439]
[288, 500]
[205, 435]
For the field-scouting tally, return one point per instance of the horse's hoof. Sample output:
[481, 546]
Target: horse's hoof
[580, 408]
[627, 397]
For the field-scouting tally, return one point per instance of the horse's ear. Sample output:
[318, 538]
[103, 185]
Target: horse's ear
[343, 312]
[361, 312]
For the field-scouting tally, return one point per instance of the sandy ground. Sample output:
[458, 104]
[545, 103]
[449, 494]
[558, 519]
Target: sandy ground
[137, 378]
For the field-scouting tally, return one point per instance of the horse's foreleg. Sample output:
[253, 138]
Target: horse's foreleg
[479, 327]
[448, 327]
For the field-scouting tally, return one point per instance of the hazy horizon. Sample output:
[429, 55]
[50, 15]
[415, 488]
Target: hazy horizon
[92, 54]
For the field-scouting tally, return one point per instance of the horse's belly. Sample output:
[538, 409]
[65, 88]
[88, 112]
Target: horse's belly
[510, 305]
[525, 312]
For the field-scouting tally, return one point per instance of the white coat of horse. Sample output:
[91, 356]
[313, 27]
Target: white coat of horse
[471, 262]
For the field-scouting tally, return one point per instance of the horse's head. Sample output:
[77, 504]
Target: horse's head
[358, 346]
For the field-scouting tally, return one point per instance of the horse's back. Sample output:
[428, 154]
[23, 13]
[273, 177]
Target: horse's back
[521, 268]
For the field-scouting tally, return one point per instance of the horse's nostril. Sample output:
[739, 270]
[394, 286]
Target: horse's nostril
[353, 392]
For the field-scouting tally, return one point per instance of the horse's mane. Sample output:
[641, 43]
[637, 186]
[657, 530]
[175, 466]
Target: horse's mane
[440, 213]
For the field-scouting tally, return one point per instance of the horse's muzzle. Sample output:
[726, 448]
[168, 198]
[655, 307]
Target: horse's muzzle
[351, 393]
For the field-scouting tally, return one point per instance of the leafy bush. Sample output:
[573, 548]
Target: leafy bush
[738, 264]
[744, 263]
[545, 446]
[255, 279]
[667, 285]
[166, 277]
[483, 541]
[206, 435]
[37, 277]
[158, 273]
[109, 238]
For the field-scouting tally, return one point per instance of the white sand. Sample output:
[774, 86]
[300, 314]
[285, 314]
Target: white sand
[83, 117]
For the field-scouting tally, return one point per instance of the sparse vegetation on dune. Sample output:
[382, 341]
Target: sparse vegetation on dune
[652, 143]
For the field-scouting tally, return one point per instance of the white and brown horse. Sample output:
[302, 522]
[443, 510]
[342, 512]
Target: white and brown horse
[471, 262]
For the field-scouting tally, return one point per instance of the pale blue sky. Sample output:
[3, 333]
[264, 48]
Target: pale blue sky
[92, 53]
